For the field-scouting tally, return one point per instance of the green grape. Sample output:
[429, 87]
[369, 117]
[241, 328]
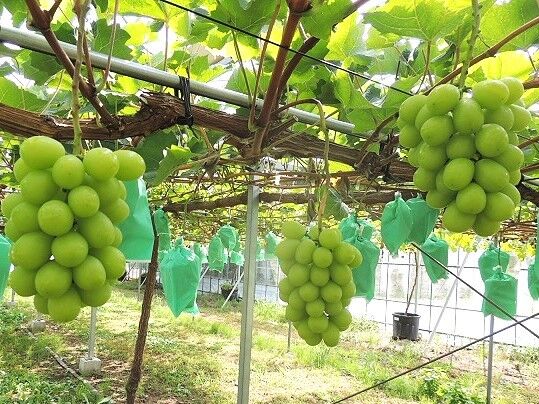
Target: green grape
[298, 275]
[490, 94]
[322, 257]
[491, 140]
[342, 320]
[468, 117]
[293, 314]
[413, 155]
[458, 173]
[70, 249]
[25, 217]
[101, 163]
[40, 152]
[331, 292]
[333, 308]
[285, 288]
[513, 138]
[309, 292]
[293, 230]
[515, 87]
[118, 237]
[68, 172]
[472, 199]
[330, 238]
[502, 116]
[53, 280]
[432, 158]
[132, 165]
[112, 259]
[31, 250]
[512, 158]
[22, 281]
[319, 276]
[40, 304]
[345, 253]
[425, 180]
[90, 274]
[409, 136]
[38, 187]
[348, 291]
[96, 297]
[522, 117]
[83, 201]
[485, 227]
[108, 191]
[305, 250]
[456, 221]
[55, 218]
[437, 130]
[499, 206]
[462, 146]
[331, 336]
[11, 231]
[117, 211]
[443, 98]
[315, 308]
[295, 300]
[512, 192]
[439, 199]
[491, 176]
[423, 115]
[65, 308]
[286, 249]
[123, 190]
[410, 107]
[514, 177]
[358, 259]
[318, 324]
[98, 230]
[340, 274]
[20, 169]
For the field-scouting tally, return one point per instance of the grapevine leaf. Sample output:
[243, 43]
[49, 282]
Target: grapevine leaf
[175, 157]
[17, 97]
[103, 34]
[151, 148]
[323, 15]
[251, 19]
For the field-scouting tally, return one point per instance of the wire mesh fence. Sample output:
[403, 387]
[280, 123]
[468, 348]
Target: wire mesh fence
[461, 320]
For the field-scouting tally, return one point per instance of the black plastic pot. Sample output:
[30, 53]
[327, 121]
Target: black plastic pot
[226, 291]
[406, 326]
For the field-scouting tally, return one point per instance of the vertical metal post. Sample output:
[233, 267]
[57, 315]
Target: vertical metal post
[433, 333]
[289, 337]
[416, 281]
[12, 297]
[490, 357]
[246, 337]
[91, 338]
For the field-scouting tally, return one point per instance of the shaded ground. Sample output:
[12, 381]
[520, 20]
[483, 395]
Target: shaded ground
[195, 360]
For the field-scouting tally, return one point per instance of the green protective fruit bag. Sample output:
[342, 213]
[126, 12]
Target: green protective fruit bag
[533, 281]
[396, 224]
[439, 249]
[501, 288]
[228, 235]
[352, 227]
[365, 274]
[137, 229]
[161, 225]
[180, 276]
[5, 263]
[489, 259]
[423, 219]
[216, 254]
[199, 251]
[236, 258]
[271, 244]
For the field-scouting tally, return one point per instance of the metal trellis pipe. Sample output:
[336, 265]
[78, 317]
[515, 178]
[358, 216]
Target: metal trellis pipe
[36, 42]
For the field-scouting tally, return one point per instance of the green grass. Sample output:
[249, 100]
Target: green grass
[194, 359]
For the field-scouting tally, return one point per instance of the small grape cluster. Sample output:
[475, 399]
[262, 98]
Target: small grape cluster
[466, 151]
[63, 224]
[318, 285]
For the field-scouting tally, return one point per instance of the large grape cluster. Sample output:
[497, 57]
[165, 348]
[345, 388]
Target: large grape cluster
[466, 151]
[63, 225]
[318, 284]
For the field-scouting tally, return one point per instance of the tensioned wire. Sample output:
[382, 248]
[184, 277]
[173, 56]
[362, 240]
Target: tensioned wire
[269, 41]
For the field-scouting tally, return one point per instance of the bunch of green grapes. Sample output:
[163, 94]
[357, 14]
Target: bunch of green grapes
[318, 284]
[466, 151]
[63, 225]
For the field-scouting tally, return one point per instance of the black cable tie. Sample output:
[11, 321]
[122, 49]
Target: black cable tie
[185, 90]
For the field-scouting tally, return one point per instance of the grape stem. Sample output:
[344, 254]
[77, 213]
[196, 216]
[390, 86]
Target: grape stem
[476, 10]
[80, 10]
